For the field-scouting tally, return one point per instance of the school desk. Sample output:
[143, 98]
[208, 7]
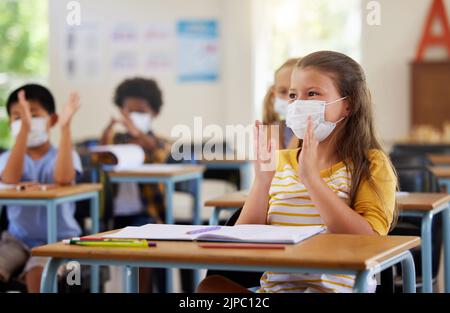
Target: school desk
[53, 197]
[362, 256]
[168, 175]
[244, 167]
[422, 205]
[427, 206]
[439, 159]
[443, 175]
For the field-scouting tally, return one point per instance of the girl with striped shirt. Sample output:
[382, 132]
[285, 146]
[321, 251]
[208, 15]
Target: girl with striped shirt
[339, 178]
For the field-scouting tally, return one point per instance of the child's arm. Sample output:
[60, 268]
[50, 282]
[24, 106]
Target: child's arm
[336, 214]
[146, 142]
[108, 133]
[257, 204]
[12, 174]
[64, 169]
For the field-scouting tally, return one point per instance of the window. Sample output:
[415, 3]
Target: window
[293, 28]
[23, 50]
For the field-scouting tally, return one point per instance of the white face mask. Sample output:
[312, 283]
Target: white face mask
[281, 106]
[38, 134]
[297, 118]
[142, 121]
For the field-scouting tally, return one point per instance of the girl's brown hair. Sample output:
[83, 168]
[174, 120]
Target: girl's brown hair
[269, 114]
[356, 136]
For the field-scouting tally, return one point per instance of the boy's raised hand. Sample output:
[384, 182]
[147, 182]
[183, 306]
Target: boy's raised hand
[25, 114]
[69, 110]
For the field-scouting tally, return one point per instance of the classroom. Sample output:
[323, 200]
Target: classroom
[224, 146]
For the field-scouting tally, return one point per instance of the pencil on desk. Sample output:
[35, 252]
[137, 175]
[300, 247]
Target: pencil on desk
[109, 243]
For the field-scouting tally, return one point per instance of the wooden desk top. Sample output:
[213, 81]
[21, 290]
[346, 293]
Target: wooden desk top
[412, 201]
[165, 170]
[322, 251]
[440, 172]
[232, 200]
[234, 161]
[439, 159]
[422, 201]
[53, 193]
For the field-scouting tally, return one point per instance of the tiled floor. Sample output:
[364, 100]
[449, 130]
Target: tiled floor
[114, 285]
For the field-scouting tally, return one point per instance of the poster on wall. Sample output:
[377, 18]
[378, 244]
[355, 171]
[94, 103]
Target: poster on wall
[198, 50]
[158, 47]
[83, 52]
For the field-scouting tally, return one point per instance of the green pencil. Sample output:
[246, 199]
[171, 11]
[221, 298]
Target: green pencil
[108, 243]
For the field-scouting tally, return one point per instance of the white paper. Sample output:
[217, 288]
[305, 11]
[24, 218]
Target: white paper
[239, 233]
[128, 156]
[401, 194]
[7, 187]
[152, 168]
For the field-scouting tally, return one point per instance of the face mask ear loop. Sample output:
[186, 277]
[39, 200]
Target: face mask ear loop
[341, 99]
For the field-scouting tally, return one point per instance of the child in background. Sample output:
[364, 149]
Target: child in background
[339, 178]
[276, 102]
[139, 101]
[31, 111]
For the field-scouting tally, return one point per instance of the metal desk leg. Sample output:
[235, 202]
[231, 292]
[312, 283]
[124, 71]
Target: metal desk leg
[446, 234]
[170, 188]
[246, 173]
[95, 269]
[49, 275]
[197, 201]
[214, 219]
[361, 282]
[427, 266]
[131, 279]
[409, 274]
[51, 222]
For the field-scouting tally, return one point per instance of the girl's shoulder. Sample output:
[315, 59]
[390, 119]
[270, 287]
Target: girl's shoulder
[380, 164]
[377, 155]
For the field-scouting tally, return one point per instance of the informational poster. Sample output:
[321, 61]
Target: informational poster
[125, 37]
[83, 52]
[159, 47]
[198, 50]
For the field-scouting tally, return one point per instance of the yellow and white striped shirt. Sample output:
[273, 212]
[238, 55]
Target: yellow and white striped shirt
[290, 205]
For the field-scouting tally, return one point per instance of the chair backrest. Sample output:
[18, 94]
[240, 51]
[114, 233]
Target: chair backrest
[417, 179]
[420, 149]
[409, 160]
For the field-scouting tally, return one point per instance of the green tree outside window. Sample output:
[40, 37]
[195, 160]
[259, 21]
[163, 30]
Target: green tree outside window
[23, 50]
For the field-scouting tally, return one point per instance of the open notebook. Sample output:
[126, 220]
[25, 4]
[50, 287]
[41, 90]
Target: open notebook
[239, 233]
[122, 156]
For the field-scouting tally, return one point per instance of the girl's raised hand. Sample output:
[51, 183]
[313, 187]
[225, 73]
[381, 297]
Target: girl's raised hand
[307, 160]
[265, 149]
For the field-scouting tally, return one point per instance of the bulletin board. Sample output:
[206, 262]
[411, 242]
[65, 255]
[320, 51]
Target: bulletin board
[430, 93]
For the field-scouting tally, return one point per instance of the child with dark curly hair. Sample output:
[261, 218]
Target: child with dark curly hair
[139, 101]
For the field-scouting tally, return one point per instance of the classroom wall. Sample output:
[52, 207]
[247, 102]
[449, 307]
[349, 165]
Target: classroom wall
[227, 101]
[387, 51]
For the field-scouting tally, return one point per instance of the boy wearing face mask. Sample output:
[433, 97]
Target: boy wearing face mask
[139, 101]
[33, 158]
